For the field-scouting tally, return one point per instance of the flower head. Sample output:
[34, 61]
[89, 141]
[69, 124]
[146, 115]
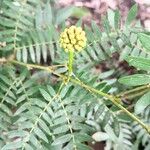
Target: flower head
[73, 38]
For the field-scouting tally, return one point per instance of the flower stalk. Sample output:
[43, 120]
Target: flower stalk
[70, 65]
[72, 39]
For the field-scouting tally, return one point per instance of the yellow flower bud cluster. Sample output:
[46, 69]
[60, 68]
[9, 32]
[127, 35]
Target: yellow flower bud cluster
[73, 38]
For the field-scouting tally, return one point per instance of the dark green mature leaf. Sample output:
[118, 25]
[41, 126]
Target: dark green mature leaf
[132, 14]
[145, 40]
[139, 63]
[142, 103]
[135, 80]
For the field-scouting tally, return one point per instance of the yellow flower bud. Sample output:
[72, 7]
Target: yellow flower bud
[65, 31]
[73, 28]
[66, 40]
[79, 37]
[78, 30]
[70, 32]
[64, 45]
[71, 36]
[82, 33]
[81, 43]
[77, 47]
[72, 39]
[69, 46]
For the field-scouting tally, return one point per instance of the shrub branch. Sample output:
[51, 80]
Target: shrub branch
[112, 98]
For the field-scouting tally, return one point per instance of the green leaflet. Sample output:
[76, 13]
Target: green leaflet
[40, 134]
[145, 40]
[132, 14]
[45, 95]
[139, 63]
[13, 145]
[142, 103]
[117, 19]
[63, 14]
[62, 139]
[82, 137]
[142, 136]
[135, 80]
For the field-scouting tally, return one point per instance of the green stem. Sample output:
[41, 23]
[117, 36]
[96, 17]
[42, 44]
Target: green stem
[70, 68]
[41, 114]
[113, 99]
[122, 94]
[30, 66]
[133, 95]
[121, 111]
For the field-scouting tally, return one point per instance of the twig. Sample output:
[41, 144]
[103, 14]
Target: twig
[41, 114]
[112, 98]
[134, 92]
[133, 95]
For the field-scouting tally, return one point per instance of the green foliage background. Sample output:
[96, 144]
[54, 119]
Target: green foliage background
[33, 117]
